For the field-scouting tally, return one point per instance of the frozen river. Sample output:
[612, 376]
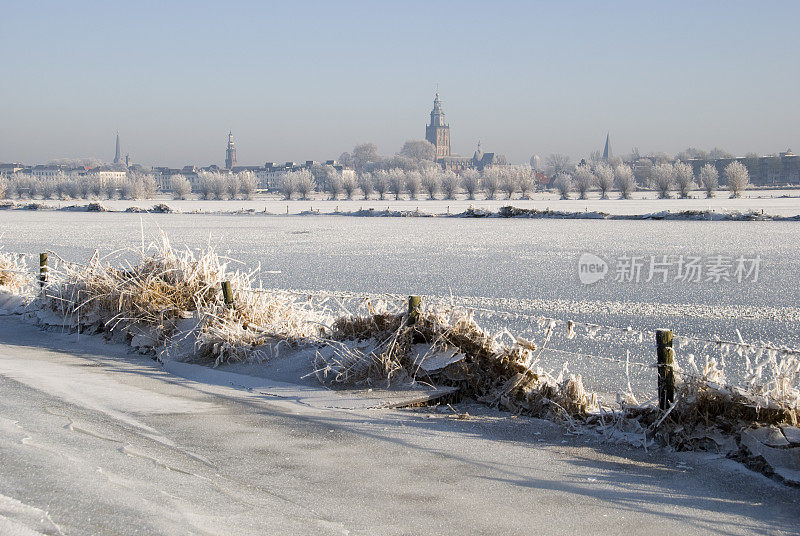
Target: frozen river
[526, 267]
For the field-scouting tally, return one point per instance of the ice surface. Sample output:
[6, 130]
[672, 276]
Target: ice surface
[523, 268]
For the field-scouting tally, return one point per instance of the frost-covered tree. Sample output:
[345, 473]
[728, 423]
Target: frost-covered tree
[380, 181]
[413, 180]
[366, 182]
[604, 174]
[231, 186]
[3, 187]
[287, 184]
[364, 154]
[396, 181]
[432, 181]
[738, 178]
[557, 163]
[684, 178]
[419, 150]
[180, 186]
[46, 187]
[450, 184]
[663, 177]
[248, 183]
[709, 179]
[304, 183]
[490, 178]
[205, 185]
[625, 180]
[471, 180]
[526, 181]
[349, 185]
[563, 184]
[583, 179]
[508, 181]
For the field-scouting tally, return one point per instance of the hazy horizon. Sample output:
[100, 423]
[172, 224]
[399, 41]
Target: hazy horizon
[309, 81]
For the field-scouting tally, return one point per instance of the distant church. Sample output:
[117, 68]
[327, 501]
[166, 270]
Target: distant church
[230, 153]
[438, 134]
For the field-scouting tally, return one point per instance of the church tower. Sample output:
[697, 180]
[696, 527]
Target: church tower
[438, 132]
[117, 155]
[230, 153]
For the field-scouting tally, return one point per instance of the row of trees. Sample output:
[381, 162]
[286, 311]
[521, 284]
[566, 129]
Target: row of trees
[431, 182]
[665, 178]
[61, 186]
[216, 185]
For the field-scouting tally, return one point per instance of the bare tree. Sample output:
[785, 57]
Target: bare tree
[625, 180]
[663, 179]
[413, 181]
[563, 184]
[419, 150]
[287, 184]
[584, 180]
[508, 181]
[431, 181]
[248, 183]
[334, 183]
[491, 177]
[3, 187]
[526, 180]
[180, 186]
[397, 181]
[738, 178]
[304, 183]
[450, 184]
[231, 186]
[605, 178]
[471, 180]
[349, 184]
[380, 181]
[684, 178]
[557, 163]
[364, 154]
[709, 179]
[366, 182]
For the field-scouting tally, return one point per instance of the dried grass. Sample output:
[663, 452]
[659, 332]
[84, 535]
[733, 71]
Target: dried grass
[498, 374]
[167, 286]
[14, 274]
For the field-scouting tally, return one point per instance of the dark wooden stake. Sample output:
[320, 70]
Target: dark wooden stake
[413, 309]
[666, 374]
[227, 294]
[42, 269]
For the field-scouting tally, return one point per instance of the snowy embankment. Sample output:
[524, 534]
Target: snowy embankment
[770, 204]
[169, 304]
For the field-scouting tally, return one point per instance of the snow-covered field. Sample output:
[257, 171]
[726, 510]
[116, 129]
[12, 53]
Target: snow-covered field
[511, 271]
[777, 202]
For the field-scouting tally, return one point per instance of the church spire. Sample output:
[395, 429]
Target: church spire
[117, 153]
[230, 153]
[607, 151]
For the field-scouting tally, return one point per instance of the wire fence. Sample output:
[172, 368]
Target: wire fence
[602, 353]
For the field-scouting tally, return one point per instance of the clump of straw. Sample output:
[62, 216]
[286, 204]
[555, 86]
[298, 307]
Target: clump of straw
[14, 274]
[497, 374]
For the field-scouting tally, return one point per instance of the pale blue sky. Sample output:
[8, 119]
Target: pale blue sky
[308, 80]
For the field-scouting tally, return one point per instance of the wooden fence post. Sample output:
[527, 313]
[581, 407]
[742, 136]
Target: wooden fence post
[413, 309]
[42, 269]
[227, 294]
[666, 374]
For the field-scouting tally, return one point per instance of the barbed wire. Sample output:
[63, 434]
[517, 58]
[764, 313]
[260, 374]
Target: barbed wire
[544, 322]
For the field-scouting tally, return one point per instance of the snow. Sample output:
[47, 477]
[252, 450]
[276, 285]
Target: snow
[510, 270]
[181, 455]
[784, 202]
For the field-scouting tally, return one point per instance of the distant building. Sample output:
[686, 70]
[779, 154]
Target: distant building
[117, 152]
[230, 153]
[783, 168]
[438, 132]
[607, 149]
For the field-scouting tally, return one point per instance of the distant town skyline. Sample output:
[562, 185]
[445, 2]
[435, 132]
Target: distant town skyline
[319, 78]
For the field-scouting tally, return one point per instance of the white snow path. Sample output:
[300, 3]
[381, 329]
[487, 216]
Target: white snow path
[171, 455]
